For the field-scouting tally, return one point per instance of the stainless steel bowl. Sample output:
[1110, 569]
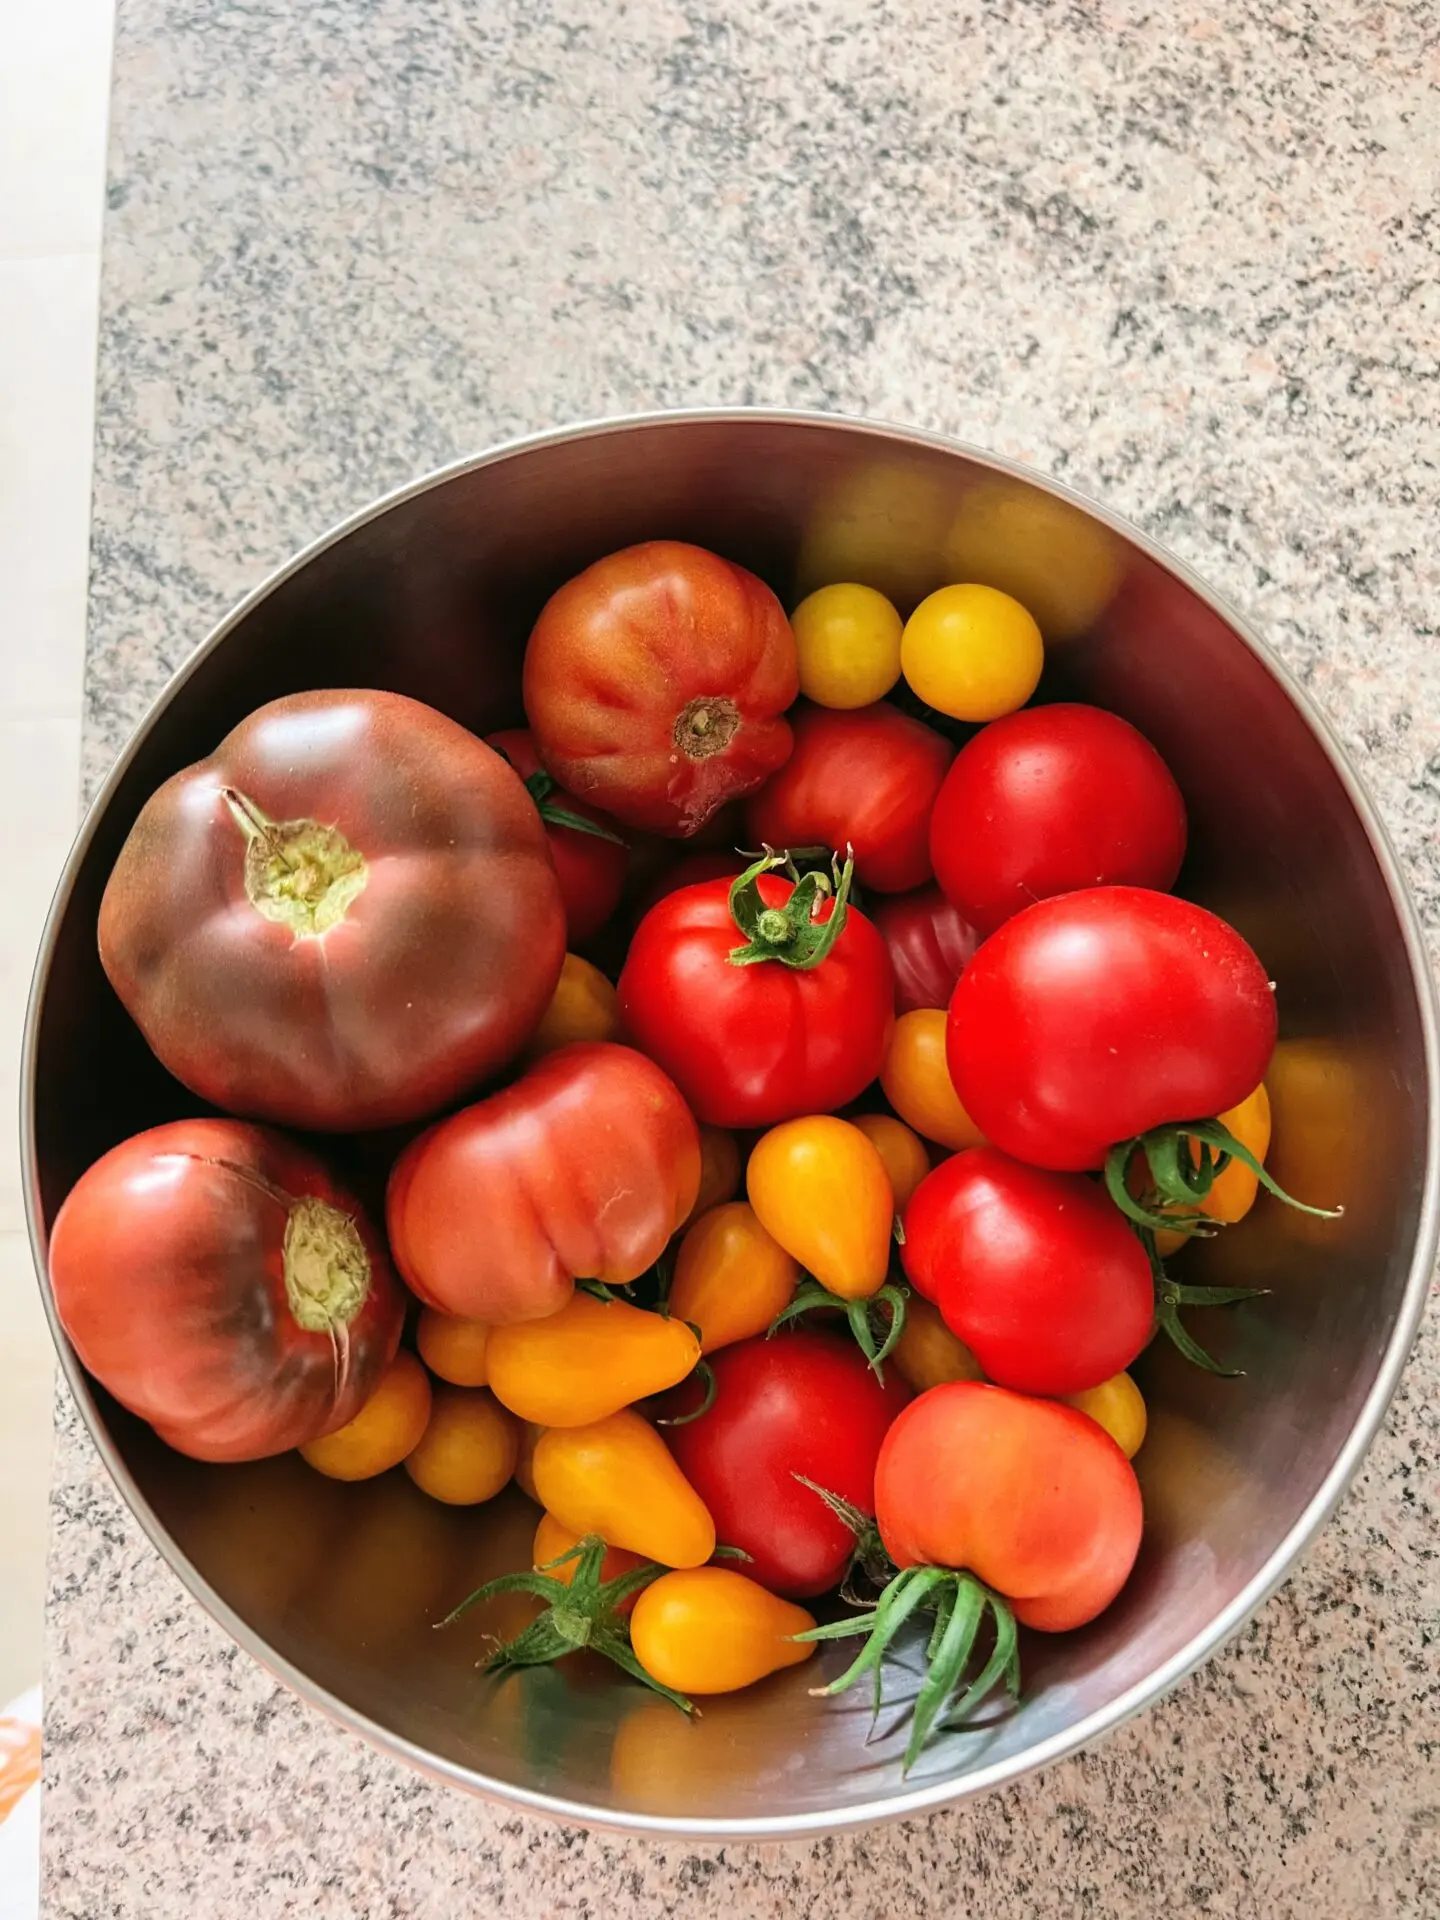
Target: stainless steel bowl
[335, 1588]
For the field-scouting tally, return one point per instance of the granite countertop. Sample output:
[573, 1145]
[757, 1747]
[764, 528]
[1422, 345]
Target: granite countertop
[1185, 260]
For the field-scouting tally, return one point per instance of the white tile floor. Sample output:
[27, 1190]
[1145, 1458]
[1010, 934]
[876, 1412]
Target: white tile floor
[54, 90]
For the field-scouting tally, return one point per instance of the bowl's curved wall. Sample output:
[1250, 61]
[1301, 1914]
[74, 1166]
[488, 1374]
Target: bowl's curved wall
[337, 1586]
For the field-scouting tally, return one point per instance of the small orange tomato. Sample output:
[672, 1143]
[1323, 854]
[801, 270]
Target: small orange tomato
[927, 1354]
[719, 1171]
[452, 1348]
[1234, 1191]
[819, 1187]
[714, 1631]
[1118, 1406]
[591, 1358]
[551, 1540]
[525, 1459]
[917, 1081]
[731, 1278]
[902, 1150]
[584, 1007]
[469, 1450]
[387, 1427]
[617, 1478]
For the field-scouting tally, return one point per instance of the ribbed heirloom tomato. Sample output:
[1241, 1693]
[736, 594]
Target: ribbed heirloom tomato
[930, 943]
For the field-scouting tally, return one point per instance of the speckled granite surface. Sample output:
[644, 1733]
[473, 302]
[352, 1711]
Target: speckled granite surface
[1183, 257]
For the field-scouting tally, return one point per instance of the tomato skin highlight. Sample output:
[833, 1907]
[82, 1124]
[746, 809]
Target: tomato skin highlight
[656, 682]
[865, 779]
[752, 1045]
[930, 944]
[1031, 1496]
[1050, 800]
[591, 871]
[711, 1630]
[1038, 1273]
[179, 1263]
[1090, 1018]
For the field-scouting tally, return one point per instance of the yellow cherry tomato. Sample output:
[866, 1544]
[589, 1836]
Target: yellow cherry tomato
[714, 1631]
[525, 1459]
[551, 1540]
[584, 1007]
[902, 1150]
[917, 1081]
[388, 1426]
[972, 652]
[847, 639]
[454, 1349]
[731, 1277]
[928, 1354]
[591, 1358]
[1234, 1192]
[719, 1171]
[469, 1450]
[617, 1478]
[819, 1187]
[1118, 1406]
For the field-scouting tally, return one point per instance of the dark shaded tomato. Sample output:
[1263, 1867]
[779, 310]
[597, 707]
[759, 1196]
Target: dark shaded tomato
[342, 919]
[717, 863]
[865, 779]
[1090, 1018]
[591, 867]
[803, 1403]
[1038, 1273]
[930, 943]
[215, 1279]
[583, 1169]
[656, 682]
[1049, 800]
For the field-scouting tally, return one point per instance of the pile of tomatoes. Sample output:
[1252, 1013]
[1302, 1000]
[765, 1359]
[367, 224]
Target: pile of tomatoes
[782, 1222]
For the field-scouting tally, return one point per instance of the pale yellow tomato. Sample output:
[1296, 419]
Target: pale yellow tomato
[972, 652]
[847, 638]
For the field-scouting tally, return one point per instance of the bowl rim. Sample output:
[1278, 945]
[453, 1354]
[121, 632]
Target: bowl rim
[1281, 1560]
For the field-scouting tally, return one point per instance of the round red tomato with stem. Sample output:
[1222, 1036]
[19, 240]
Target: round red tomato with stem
[215, 1279]
[930, 943]
[1038, 1273]
[583, 1169]
[342, 920]
[803, 1406]
[656, 682]
[1049, 800]
[589, 854]
[763, 999]
[865, 779]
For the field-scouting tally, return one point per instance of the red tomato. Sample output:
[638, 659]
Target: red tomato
[1032, 1497]
[752, 1044]
[583, 1169]
[865, 779]
[1038, 1273]
[590, 867]
[802, 1403]
[656, 682]
[342, 919]
[215, 1279]
[1089, 1019]
[930, 944]
[1048, 800]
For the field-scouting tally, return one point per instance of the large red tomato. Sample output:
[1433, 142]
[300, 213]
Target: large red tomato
[213, 1277]
[1088, 1019]
[656, 682]
[591, 866]
[1031, 1496]
[583, 1169]
[865, 779]
[803, 1403]
[342, 919]
[1038, 1273]
[930, 944]
[759, 1011]
[1048, 800]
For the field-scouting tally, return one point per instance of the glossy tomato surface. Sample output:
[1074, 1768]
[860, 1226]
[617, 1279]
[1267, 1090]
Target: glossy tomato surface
[803, 1403]
[930, 943]
[1038, 1273]
[751, 1045]
[656, 682]
[215, 1279]
[342, 919]
[582, 1169]
[1090, 1018]
[590, 868]
[1049, 800]
[865, 779]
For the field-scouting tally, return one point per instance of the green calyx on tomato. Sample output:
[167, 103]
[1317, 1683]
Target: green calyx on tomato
[869, 1562]
[540, 786]
[790, 934]
[301, 874]
[810, 1295]
[1180, 1178]
[1171, 1296]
